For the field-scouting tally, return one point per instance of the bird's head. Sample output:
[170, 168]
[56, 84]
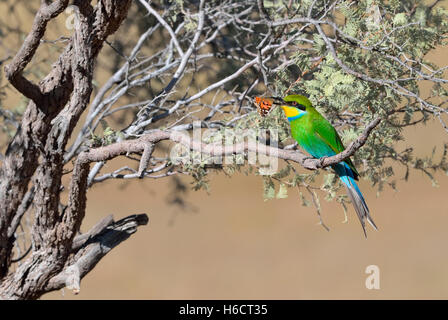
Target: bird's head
[295, 106]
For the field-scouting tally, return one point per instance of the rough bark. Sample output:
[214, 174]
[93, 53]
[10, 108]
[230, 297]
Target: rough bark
[56, 104]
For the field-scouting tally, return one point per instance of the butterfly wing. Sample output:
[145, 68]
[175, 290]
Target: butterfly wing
[264, 105]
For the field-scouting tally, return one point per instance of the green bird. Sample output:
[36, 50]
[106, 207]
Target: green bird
[320, 139]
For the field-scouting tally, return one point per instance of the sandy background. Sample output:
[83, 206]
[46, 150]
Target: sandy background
[231, 244]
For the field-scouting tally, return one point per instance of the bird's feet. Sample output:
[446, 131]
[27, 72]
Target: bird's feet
[321, 161]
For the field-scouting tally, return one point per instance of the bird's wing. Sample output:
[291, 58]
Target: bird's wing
[328, 134]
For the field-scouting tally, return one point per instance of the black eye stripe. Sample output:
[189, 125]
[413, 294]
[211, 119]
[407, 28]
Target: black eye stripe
[298, 105]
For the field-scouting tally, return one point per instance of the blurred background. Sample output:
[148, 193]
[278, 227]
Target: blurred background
[232, 244]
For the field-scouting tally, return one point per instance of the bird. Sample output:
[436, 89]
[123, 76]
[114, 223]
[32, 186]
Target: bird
[319, 138]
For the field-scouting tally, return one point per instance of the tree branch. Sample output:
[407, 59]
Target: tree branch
[140, 144]
[14, 70]
[73, 71]
[91, 247]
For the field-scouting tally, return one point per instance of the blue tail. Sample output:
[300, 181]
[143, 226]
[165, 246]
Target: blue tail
[347, 177]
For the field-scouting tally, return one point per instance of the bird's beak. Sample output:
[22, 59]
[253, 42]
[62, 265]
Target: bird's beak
[276, 100]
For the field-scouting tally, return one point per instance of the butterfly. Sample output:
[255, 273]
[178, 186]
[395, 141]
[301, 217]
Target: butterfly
[264, 105]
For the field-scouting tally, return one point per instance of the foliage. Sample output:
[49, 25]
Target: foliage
[393, 48]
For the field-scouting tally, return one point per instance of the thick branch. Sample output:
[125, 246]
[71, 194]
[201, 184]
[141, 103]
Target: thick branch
[98, 243]
[139, 145]
[21, 158]
[14, 70]
[54, 231]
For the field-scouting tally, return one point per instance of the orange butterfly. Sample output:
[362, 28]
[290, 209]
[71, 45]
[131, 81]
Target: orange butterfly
[264, 105]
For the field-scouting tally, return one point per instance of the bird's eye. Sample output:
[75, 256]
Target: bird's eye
[294, 103]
